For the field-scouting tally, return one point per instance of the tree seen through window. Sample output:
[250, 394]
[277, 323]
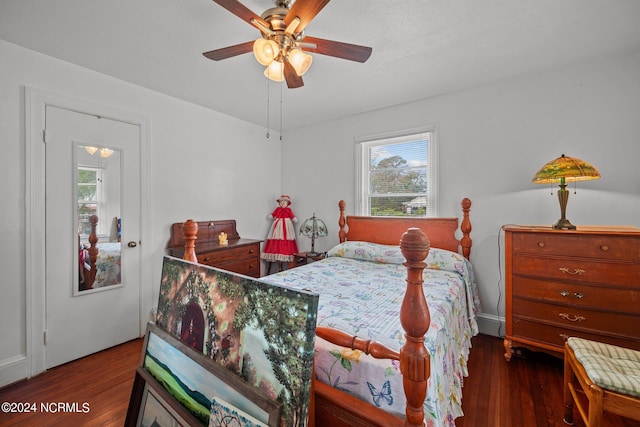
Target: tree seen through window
[396, 176]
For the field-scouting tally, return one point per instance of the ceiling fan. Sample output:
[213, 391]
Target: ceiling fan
[282, 45]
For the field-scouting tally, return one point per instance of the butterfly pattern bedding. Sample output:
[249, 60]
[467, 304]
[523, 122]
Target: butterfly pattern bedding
[361, 287]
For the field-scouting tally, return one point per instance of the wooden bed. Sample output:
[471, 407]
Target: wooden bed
[96, 256]
[418, 235]
[333, 407]
[88, 257]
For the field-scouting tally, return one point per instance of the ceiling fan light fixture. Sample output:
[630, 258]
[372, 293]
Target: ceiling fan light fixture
[275, 71]
[91, 150]
[300, 61]
[265, 51]
[106, 152]
[282, 31]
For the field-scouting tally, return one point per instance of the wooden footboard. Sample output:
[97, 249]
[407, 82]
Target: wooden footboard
[88, 277]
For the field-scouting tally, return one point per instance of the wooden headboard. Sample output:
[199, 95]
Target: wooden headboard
[387, 230]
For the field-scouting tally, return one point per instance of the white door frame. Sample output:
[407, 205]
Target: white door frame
[35, 299]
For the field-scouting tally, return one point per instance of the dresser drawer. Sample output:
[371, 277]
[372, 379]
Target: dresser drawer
[578, 245]
[248, 267]
[230, 254]
[578, 318]
[583, 270]
[557, 335]
[624, 300]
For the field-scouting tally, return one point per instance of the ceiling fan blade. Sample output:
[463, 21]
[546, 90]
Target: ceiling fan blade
[352, 52]
[292, 78]
[306, 10]
[229, 51]
[242, 12]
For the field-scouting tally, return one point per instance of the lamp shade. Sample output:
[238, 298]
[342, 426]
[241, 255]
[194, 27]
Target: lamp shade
[312, 228]
[562, 170]
[300, 61]
[569, 168]
[275, 71]
[91, 149]
[265, 51]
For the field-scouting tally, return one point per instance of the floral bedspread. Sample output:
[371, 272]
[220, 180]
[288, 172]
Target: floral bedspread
[108, 265]
[361, 287]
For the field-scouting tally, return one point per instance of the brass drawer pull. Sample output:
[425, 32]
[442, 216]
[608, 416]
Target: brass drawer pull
[541, 244]
[207, 259]
[575, 294]
[570, 318]
[564, 337]
[604, 247]
[251, 251]
[575, 271]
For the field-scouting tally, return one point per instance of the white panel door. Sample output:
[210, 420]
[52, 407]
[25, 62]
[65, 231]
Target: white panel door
[82, 321]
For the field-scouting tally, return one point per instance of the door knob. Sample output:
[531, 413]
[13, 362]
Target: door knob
[132, 244]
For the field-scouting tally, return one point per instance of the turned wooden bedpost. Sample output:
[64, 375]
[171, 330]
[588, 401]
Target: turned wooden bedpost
[342, 234]
[90, 276]
[190, 231]
[415, 320]
[465, 227]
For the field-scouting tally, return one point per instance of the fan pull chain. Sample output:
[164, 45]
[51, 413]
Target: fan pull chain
[281, 85]
[268, 106]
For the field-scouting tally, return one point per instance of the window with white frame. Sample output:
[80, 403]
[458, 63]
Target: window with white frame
[398, 175]
[89, 191]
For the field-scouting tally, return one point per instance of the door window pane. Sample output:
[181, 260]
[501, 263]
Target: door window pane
[88, 197]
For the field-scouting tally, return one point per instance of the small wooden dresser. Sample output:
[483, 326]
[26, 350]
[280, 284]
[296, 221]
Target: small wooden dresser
[562, 283]
[239, 256]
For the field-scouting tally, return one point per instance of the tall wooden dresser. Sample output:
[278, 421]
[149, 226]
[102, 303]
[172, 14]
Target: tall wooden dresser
[562, 283]
[239, 256]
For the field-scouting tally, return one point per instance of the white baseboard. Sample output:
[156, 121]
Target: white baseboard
[490, 324]
[13, 369]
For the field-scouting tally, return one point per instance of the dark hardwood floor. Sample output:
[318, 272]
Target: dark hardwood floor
[102, 380]
[523, 393]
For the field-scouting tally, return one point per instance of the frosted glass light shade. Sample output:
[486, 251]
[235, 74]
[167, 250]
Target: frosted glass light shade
[300, 61]
[265, 51]
[275, 71]
[105, 152]
[91, 149]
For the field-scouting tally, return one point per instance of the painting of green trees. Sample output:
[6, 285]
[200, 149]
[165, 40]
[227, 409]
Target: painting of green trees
[273, 328]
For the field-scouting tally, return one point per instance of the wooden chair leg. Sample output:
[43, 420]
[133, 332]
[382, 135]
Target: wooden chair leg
[569, 378]
[596, 407]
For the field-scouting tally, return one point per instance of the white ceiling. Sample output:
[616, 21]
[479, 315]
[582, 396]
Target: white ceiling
[421, 48]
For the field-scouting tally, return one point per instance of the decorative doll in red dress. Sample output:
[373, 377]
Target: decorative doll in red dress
[281, 242]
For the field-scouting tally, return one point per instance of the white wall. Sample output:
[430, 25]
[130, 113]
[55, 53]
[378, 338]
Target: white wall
[492, 141]
[202, 165]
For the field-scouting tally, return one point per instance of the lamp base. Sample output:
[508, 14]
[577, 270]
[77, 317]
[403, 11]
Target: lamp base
[313, 254]
[563, 224]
